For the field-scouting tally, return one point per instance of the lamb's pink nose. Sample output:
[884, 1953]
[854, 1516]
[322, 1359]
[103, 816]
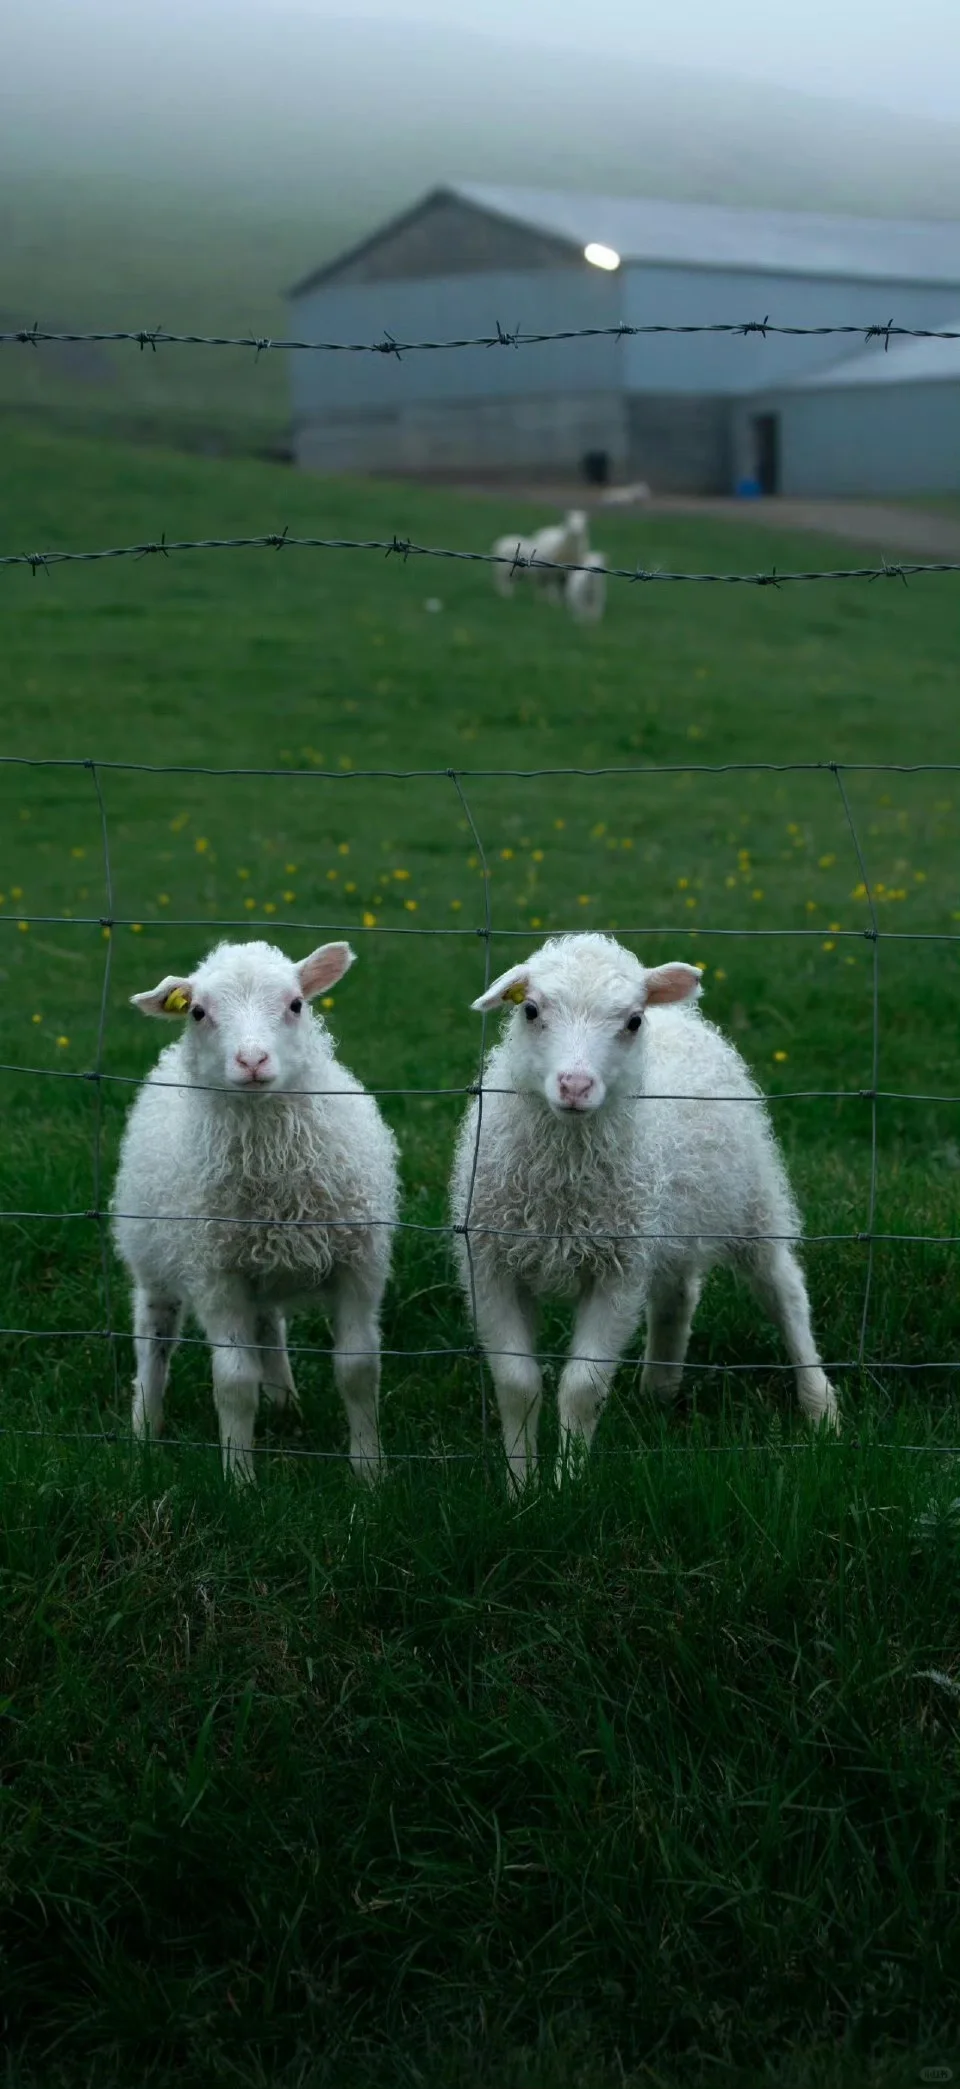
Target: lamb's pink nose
[252, 1062]
[575, 1089]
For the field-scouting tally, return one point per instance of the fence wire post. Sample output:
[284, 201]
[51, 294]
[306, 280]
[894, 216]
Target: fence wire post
[97, 1078]
[486, 932]
[875, 1065]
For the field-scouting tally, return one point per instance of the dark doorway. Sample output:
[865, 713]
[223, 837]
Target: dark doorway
[766, 443]
[596, 467]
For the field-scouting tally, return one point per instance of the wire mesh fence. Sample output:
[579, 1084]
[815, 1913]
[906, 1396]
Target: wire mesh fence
[108, 1329]
[460, 781]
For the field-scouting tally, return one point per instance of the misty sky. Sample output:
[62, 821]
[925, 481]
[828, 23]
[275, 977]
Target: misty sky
[900, 54]
[905, 57]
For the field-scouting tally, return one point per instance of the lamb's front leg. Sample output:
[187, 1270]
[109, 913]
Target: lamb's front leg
[671, 1305]
[605, 1322]
[156, 1326]
[229, 1321]
[356, 1366]
[507, 1327]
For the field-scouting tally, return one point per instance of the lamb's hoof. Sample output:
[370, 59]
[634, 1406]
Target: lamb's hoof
[822, 1410]
[522, 1479]
[571, 1460]
[282, 1400]
[144, 1431]
[238, 1467]
[664, 1391]
[368, 1468]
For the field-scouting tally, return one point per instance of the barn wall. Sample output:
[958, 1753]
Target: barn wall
[876, 439]
[448, 307]
[710, 363]
[545, 437]
[679, 444]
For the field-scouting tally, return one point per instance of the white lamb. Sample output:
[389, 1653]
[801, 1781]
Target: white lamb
[585, 589]
[563, 543]
[592, 1180]
[256, 1178]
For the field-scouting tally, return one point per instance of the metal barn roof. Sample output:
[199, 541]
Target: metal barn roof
[707, 235]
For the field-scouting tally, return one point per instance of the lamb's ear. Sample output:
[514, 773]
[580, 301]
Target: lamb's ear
[171, 998]
[322, 969]
[671, 983]
[511, 986]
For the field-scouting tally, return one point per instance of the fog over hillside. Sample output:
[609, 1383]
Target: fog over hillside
[342, 118]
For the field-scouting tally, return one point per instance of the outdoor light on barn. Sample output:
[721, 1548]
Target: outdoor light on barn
[600, 256]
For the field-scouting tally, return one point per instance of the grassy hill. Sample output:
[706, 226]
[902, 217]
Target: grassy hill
[648, 1781]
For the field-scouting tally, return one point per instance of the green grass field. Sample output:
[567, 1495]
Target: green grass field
[95, 253]
[639, 1782]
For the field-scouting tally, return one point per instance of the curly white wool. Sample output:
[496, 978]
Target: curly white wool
[256, 1178]
[611, 1171]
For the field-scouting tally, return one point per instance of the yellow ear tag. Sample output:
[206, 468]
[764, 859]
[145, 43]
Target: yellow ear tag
[516, 993]
[176, 1002]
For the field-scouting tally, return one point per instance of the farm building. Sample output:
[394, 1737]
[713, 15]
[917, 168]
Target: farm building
[873, 423]
[688, 413]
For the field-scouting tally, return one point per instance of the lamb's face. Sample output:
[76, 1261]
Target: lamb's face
[247, 1015]
[577, 1032]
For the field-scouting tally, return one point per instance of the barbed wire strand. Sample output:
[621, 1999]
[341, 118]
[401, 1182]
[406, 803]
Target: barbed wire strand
[405, 549]
[154, 337]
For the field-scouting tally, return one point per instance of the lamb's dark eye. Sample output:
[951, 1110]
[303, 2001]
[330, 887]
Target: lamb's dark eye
[531, 1011]
[198, 1014]
[295, 1006]
[634, 1022]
